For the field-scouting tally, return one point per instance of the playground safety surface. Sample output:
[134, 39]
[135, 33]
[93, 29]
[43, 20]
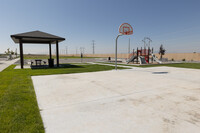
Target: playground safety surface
[140, 100]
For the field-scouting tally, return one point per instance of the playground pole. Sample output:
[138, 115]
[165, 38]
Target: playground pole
[116, 51]
[137, 55]
[148, 53]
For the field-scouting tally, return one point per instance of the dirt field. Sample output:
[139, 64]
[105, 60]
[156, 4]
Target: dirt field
[175, 56]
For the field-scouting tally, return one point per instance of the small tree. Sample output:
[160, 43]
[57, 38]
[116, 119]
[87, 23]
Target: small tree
[7, 52]
[161, 51]
[12, 52]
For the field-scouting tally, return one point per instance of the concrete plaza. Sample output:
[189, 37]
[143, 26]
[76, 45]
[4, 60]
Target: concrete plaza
[138, 100]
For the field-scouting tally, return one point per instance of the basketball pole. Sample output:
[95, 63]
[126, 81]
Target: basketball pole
[116, 51]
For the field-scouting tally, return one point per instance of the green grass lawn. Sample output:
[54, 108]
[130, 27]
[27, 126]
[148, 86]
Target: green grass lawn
[47, 57]
[19, 112]
[181, 65]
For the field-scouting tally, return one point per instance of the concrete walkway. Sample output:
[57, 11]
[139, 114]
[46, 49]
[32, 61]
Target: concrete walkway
[5, 64]
[139, 100]
[130, 67]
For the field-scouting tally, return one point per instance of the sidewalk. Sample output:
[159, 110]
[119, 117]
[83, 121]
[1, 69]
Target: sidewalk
[5, 64]
[131, 67]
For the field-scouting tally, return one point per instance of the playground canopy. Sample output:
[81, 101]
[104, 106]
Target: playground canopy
[37, 37]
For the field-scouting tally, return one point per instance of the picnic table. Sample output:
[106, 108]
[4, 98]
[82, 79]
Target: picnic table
[38, 62]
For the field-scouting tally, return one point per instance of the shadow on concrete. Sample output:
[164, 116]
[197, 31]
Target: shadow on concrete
[159, 72]
[55, 67]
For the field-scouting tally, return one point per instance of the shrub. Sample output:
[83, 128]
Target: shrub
[183, 60]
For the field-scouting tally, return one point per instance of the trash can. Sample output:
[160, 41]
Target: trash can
[109, 58]
[51, 62]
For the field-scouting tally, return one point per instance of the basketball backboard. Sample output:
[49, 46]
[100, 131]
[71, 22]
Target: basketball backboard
[125, 29]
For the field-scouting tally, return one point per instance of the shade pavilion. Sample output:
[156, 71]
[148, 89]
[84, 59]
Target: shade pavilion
[37, 37]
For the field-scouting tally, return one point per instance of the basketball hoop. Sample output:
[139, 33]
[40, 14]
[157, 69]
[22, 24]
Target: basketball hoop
[125, 29]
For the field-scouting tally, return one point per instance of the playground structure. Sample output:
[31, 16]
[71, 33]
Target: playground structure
[143, 56]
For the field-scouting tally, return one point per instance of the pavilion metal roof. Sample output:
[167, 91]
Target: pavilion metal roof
[36, 37]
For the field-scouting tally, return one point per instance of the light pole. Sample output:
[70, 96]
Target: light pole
[144, 42]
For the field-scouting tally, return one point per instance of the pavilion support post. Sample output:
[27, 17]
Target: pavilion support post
[21, 53]
[50, 56]
[57, 54]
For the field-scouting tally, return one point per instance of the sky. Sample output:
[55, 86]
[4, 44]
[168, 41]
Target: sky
[173, 23]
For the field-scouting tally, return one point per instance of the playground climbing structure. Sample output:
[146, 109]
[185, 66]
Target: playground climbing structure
[143, 56]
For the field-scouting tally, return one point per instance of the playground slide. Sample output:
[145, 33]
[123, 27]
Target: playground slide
[142, 60]
[131, 59]
[156, 59]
